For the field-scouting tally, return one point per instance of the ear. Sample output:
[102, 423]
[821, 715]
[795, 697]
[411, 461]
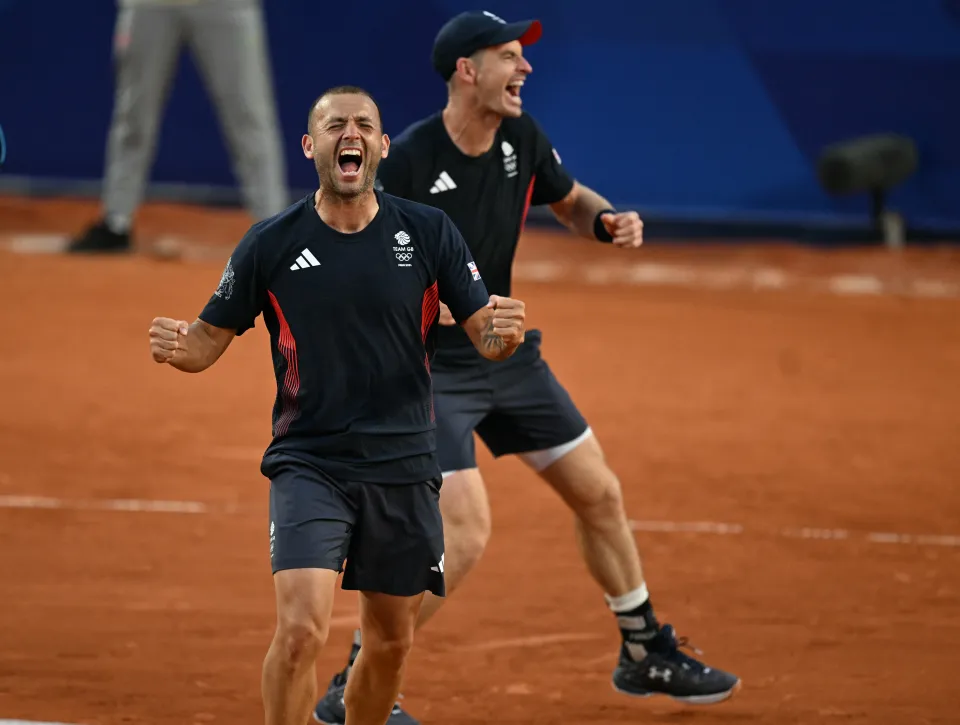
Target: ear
[466, 70]
[385, 146]
[307, 143]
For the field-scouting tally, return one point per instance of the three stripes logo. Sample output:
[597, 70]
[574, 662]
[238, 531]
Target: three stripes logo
[306, 259]
[443, 183]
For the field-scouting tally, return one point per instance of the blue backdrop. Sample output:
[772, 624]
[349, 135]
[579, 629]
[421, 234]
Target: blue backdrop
[686, 108]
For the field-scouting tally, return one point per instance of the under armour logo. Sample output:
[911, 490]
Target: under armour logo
[665, 674]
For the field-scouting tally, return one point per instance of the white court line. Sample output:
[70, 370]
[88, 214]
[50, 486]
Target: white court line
[697, 527]
[805, 532]
[644, 274]
[536, 641]
[110, 504]
[714, 528]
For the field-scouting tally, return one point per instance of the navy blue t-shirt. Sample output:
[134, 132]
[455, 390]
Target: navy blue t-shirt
[486, 196]
[352, 322]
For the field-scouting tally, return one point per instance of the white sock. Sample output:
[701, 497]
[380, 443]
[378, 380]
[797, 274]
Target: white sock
[117, 223]
[629, 601]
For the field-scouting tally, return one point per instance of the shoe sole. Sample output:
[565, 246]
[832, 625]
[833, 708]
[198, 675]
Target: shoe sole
[323, 722]
[688, 700]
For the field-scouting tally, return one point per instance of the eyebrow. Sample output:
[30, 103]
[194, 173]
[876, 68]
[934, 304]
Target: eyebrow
[343, 119]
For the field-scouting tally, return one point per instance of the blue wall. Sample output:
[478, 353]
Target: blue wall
[713, 108]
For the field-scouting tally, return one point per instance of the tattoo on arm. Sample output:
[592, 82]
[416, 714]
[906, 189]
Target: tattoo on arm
[493, 344]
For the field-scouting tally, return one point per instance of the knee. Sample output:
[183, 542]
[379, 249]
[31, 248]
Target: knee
[466, 540]
[603, 505]
[300, 638]
[388, 652]
[466, 522]
[473, 539]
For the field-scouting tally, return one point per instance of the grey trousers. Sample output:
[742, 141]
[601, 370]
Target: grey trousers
[228, 42]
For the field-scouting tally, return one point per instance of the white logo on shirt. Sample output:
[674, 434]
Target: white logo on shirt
[509, 159]
[443, 183]
[403, 252]
[306, 259]
[225, 288]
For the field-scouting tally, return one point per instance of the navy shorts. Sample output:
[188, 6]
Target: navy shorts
[385, 538]
[516, 406]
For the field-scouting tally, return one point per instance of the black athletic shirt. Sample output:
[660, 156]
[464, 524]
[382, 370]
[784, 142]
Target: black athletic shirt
[487, 196]
[352, 325]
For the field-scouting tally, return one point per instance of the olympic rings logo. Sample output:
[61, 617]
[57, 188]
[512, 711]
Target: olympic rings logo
[404, 256]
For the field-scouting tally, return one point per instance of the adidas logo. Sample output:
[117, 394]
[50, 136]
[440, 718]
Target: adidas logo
[443, 183]
[439, 567]
[306, 259]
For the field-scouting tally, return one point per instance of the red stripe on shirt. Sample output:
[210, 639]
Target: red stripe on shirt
[291, 381]
[431, 306]
[526, 202]
[428, 314]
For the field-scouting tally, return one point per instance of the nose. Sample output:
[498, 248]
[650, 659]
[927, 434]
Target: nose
[524, 66]
[351, 130]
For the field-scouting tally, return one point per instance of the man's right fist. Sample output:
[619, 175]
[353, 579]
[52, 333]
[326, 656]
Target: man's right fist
[167, 336]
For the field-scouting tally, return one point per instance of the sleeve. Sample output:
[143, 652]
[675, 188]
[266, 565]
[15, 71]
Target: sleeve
[241, 293]
[458, 279]
[552, 181]
[393, 174]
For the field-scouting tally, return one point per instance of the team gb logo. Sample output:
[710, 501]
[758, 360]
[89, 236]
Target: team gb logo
[403, 250]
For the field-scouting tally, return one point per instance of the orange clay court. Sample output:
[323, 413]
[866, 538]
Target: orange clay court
[785, 422]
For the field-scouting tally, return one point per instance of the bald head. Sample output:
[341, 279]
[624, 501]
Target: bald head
[316, 108]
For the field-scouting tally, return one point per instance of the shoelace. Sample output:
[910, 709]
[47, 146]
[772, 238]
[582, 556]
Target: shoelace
[673, 652]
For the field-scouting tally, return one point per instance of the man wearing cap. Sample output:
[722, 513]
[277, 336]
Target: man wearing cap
[484, 161]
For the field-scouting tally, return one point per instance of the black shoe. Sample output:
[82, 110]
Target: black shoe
[667, 671]
[99, 239]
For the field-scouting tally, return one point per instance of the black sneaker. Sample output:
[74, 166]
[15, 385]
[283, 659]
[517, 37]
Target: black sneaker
[665, 670]
[100, 239]
[332, 711]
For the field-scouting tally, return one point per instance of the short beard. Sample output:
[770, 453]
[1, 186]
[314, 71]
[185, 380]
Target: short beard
[330, 184]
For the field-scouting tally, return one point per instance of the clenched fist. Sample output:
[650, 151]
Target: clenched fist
[626, 228]
[508, 319]
[167, 337]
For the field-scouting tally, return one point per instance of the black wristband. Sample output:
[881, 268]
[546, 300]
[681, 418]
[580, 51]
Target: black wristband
[600, 231]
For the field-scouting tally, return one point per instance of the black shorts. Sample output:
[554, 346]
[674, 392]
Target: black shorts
[516, 406]
[389, 535]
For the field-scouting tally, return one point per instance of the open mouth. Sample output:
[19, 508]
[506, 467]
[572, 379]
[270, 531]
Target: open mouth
[513, 88]
[350, 160]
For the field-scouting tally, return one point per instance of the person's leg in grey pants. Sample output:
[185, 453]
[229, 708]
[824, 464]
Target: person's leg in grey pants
[228, 41]
[228, 44]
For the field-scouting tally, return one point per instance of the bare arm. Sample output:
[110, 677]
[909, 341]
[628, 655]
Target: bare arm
[497, 329]
[578, 211]
[189, 348]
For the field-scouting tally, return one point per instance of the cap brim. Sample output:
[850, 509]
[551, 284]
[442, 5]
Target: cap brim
[527, 32]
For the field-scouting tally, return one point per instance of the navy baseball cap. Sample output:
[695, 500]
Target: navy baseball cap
[467, 33]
